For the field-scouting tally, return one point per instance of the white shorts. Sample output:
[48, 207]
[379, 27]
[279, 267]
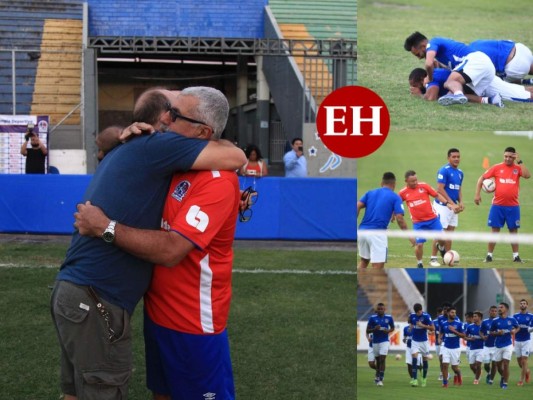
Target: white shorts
[370, 356]
[450, 356]
[522, 349]
[519, 66]
[508, 91]
[409, 357]
[475, 356]
[503, 353]
[447, 217]
[488, 354]
[437, 349]
[467, 352]
[480, 69]
[381, 349]
[373, 248]
[420, 347]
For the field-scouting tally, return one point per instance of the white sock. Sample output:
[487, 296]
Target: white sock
[458, 92]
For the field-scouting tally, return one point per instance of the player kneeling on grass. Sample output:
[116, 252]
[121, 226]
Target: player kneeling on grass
[451, 331]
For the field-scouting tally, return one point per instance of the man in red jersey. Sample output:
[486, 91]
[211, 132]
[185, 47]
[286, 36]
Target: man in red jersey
[505, 207]
[416, 195]
[187, 306]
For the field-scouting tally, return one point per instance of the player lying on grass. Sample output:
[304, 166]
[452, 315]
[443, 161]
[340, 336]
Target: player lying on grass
[497, 90]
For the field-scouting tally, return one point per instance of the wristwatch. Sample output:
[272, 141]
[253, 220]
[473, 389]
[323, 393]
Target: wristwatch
[519, 162]
[109, 234]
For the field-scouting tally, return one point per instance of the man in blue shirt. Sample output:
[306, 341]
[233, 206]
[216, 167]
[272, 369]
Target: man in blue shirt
[522, 341]
[473, 337]
[513, 61]
[503, 327]
[99, 285]
[407, 339]
[470, 67]
[295, 161]
[380, 205]
[451, 331]
[488, 346]
[449, 185]
[420, 323]
[380, 325]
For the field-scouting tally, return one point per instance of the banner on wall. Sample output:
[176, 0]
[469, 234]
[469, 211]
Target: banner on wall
[12, 131]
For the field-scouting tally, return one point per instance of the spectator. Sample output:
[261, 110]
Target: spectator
[294, 160]
[255, 166]
[36, 154]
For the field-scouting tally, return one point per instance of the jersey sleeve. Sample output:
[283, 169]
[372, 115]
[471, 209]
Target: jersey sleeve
[441, 176]
[398, 205]
[432, 192]
[489, 173]
[204, 212]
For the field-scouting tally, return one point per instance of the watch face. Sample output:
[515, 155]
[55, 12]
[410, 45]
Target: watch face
[108, 236]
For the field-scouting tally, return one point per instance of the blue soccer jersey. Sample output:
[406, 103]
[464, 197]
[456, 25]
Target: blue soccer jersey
[497, 50]
[385, 323]
[440, 75]
[450, 339]
[380, 205]
[506, 325]
[472, 331]
[452, 179]
[525, 321]
[420, 334]
[447, 51]
[407, 335]
[485, 330]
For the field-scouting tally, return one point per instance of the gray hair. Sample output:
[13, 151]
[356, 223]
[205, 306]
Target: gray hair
[213, 107]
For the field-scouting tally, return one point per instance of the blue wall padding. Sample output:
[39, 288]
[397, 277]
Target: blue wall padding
[287, 209]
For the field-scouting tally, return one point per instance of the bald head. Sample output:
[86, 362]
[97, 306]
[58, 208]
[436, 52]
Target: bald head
[151, 105]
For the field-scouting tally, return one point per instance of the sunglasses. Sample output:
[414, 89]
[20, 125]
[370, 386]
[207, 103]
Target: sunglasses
[248, 198]
[175, 114]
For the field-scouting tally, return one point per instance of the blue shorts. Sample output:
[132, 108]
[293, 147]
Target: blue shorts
[431, 225]
[500, 215]
[186, 366]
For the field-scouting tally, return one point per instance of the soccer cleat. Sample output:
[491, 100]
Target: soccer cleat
[380, 383]
[442, 250]
[434, 263]
[455, 379]
[490, 382]
[459, 380]
[488, 258]
[501, 382]
[440, 377]
[376, 380]
[450, 99]
[476, 381]
[528, 81]
[445, 386]
[424, 382]
[496, 100]
[420, 265]
[528, 376]
[487, 379]
[414, 383]
[517, 259]
[504, 386]
[519, 383]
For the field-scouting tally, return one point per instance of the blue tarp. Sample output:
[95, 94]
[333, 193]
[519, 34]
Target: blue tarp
[287, 208]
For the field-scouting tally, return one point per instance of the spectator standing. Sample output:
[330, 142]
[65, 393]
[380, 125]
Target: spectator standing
[295, 161]
[35, 154]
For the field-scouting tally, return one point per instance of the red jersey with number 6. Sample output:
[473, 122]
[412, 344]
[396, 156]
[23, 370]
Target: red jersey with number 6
[194, 296]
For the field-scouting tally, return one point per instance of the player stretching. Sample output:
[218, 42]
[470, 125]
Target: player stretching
[380, 325]
[449, 183]
[488, 347]
[522, 340]
[420, 323]
[503, 328]
[416, 195]
[475, 355]
[451, 331]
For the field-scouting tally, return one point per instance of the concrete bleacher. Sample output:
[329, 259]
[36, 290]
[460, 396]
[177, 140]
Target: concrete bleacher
[519, 282]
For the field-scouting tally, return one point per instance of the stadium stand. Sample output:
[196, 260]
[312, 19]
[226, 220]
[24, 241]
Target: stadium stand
[515, 281]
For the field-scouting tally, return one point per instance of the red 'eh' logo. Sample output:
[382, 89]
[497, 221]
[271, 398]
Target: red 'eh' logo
[353, 121]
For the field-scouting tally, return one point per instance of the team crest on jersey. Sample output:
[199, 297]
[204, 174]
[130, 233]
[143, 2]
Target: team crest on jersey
[509, 323]
[515, 172]
[421, 190]
[181, 190]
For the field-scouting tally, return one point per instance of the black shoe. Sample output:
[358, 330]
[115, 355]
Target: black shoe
[420, 265]
[442, 250]
[517, 259]
[488, 258]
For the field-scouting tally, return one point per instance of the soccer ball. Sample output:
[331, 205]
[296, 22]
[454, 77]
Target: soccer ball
[451, 258]
[398, 357]
[488, 185]
[430, 357]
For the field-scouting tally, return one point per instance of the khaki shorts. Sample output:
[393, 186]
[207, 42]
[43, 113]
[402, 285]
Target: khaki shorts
[93, 366]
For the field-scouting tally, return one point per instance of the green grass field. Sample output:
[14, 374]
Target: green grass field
[291, 326]
[426, 153]
[384, 66]
[397, 383]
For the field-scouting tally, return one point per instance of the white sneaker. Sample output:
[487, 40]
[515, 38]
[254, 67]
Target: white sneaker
[380, 383]
[496, 100]
[434, 263]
